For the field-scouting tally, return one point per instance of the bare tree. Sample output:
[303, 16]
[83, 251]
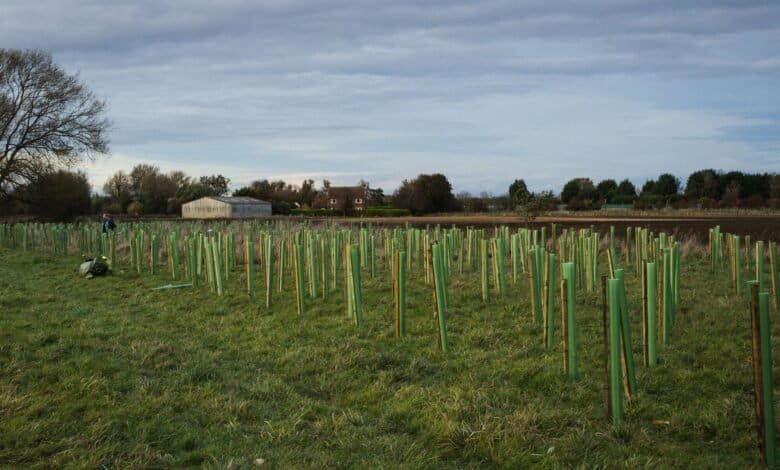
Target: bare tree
[48, 119]
[119, 187]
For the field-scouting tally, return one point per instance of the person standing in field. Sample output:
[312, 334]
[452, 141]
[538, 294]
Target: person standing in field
[108, 224]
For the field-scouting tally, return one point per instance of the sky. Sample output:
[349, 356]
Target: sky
[484, 92]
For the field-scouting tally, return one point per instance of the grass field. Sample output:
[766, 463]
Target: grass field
[105, 372]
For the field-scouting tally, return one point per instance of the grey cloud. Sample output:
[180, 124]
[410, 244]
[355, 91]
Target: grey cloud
[116, 25]
[319, 85]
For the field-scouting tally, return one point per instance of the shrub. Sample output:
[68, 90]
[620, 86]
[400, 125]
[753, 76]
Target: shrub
[708, 203]
[649, 201]
[578, 204]
[727, 203]
[751, 202]
[135, 208]
[623, 199]
[281, 208]
[60, 195]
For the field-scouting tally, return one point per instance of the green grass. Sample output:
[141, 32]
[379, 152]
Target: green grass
[105, 372]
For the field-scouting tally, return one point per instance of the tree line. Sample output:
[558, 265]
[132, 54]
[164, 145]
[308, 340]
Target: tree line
[705, 189]
[146, 190]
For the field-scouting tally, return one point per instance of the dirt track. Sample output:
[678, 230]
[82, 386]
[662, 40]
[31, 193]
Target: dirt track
[764, 227]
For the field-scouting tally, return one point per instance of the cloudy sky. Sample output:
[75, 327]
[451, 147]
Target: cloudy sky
[484, 92]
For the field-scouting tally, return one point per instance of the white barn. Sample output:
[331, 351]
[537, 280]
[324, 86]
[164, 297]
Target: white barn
[222, 207]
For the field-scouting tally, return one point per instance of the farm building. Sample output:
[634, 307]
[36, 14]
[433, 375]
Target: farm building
[219, 207]
[348, 197]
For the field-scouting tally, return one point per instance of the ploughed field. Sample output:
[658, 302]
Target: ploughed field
[763, 226]
[108, 372]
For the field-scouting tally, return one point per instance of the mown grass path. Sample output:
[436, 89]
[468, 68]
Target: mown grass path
[105, 372]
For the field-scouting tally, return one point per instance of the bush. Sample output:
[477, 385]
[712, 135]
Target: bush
[281, 208]
[623, 199]
[60, 195]
[727, 203]
[649, 201]
[708, 203]
[751, 202]
[135, 208]
[578, 204]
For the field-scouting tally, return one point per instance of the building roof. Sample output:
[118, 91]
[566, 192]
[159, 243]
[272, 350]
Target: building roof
[341, 191]
[239, 200]
[235, 200]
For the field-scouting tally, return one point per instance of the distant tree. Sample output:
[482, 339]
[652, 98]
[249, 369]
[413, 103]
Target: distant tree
[282, 196]
[659, 193]
[500, 202]
[58, 195]
[648, 188]
[48, 119]
[701, 184]
[307, 193]
[667, 185]
[750, 184]
[180, 179]
[731, 194]
[580, 193]
[119, 189]
[708, 203]
[725, 181]
[579, 188]
[260, 189]
[518, 193]
[756, 186]
[376, 197]
[774, 187]
[321, 200]
[406, 197]
[607, 190]
[153, 188]
[570, 190]
[546, 199]
[477, 204]
[589, 193]
[774, 192]
[100, 204]
[426, 194]
[538, 204]
[140, 172]
[189, 190]
[214, 185]
[464, 199]
[625, 193]
[135, 208]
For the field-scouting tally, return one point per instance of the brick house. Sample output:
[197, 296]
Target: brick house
[348, 197]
